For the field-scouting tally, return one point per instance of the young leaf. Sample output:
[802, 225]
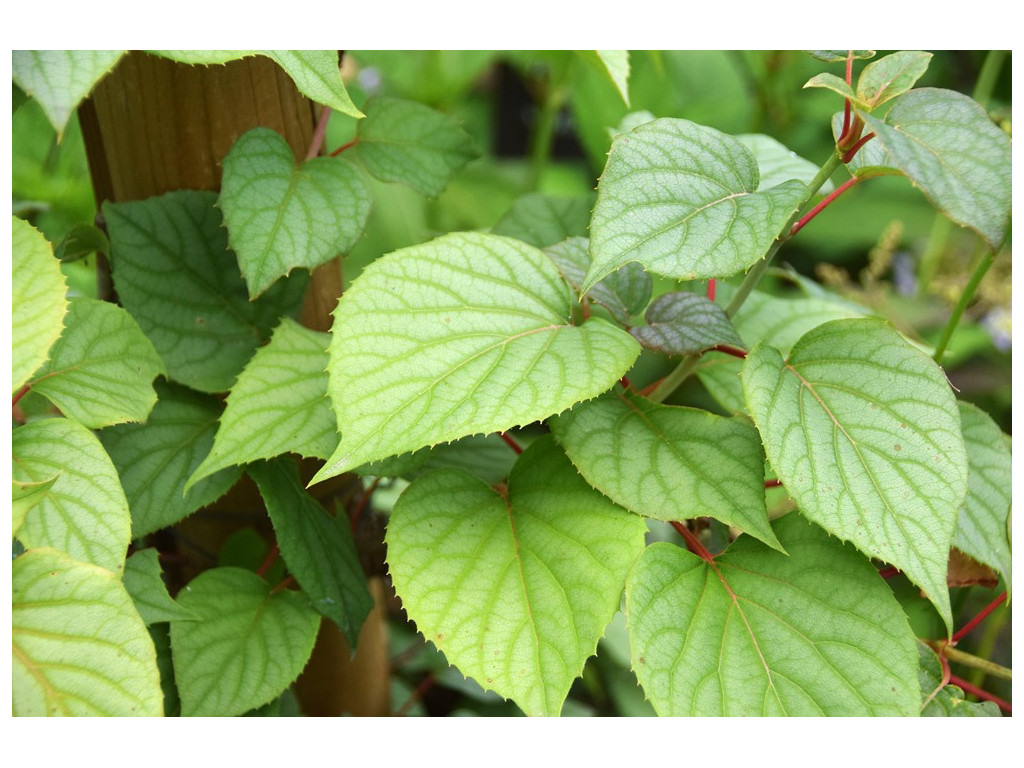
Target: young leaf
[832, 83]
[517, 589]
[863, 431]
[412, 144]
[246, 646]
[39, 306]
[889, 76]
[84, 512]
[280, 217]
[542, 220]
[174, 273]
[317, 547]
[946, 144]
[59, 80]
[757, 633]
[278, 405]
[624, 293]
[156, 458]
[983, 526]
[681, 323]
[144, 582]
[777, 163]
[101, 369]
[80, 648]
[945, 700]
[834, 56]
[466, 334]
[317, 75]
[668, 462]
[682, 199]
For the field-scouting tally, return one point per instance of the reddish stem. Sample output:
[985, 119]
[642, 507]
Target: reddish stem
[360, 507]
[510, 442]
[21, 394]
[269, 560]
[624, 381]
[319, 133]
[692, 542]
[888, 573]
[729, 350]
[650, 388]
[425, 685]
[856, 147]
[980, 693]
[343, 147]
[822, 205]
[285, 583]
[979, 618]
[772, 483]
[711, 289]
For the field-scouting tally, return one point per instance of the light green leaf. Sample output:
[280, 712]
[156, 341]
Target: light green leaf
[203, 57]
[144, 582]
[174, 273]
[889, 76]
[59, 80]
[466, 334]
[517, 589]
[833, 56]
[430, 77]
[983, 526]
[280, 217]
[613, 64]
[24, 496]
[757, 633]
[101, 369]
[863, 431]
[37, 292]
[668, 462]
[84, 513]
[832, 83]
[80, 647]
[945, 700]
[624, 293]
[777, 163]
[411, 143]
[318, 547]
[317, 75]
[487, 457]
[156, 458]
[278, 405]
[681, 323]
[682, 200]
[946, 144]
[630, 121]
[542, 220]
[247, 645]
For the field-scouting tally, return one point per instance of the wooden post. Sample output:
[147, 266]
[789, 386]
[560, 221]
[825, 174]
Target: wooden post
[152, 126]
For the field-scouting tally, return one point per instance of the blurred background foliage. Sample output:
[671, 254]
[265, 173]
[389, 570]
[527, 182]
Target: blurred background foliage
[543, 122]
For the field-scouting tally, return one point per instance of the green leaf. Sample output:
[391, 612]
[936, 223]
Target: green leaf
[144, 581]
[517, 589]
[174, 273]
[945, 700]
[890, 76]
[412, 144]
[59, 80]
[834, 56]
[246, 647]
[682, 200]
[37, 293]
[84, 513]
[80, 647]
[81, 240]
[624, 293]
[487, 457]
[101, 369]
[983, 526]
[668, 462]
[863, 431]
[755, 632]
[466, 334]
[542, 220]
[278, 405]
[946, 144]
[777, 163]
[614, 65]
[317, 75]
[318, 547]
[206, 58]
[832, 83]
[24, 496]
[681, 323]
[156, 458]
[431, 77]
[280, 216]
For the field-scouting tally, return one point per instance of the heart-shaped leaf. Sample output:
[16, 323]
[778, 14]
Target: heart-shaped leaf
[681, 323]
[683, 200]
[517, 587]
[280, 217]
[668, 462]
[59, 80]
[754, 632]
[863, 431]
[466, 334]
[890, 76]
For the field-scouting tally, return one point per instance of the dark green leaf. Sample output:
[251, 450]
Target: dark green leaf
[681, 323]
[542, 220]
[624, 293]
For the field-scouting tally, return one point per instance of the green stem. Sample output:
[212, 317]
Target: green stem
[982, 267]
[987, 644]
[987, 77]
[976, 662]
[543, 135]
